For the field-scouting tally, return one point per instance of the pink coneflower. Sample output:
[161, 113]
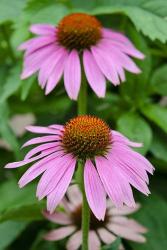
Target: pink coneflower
[57, 51]
[115, 224]
[110, 165]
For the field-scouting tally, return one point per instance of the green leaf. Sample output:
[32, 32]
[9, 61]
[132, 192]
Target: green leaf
[11, 85]
[136, 129]
[159, 145]
[9, 231]
[153, 216]
[19, 204]
[46, 11]
[159, 81]
[26, 86]
[144, 16]
[114, 246]
[157, 114]
[6, 132]
[10, 10]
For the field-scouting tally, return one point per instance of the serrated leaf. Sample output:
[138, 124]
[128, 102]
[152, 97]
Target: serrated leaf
[9, 231]
[147, 17]
[136, 129]
[157, 114]
[159, 81]
[46, 11]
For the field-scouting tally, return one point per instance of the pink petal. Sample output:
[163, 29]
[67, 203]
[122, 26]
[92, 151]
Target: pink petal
[53, 175]
[94, 191]
[38, 168]
[95, 78]
[74, 241]
[36, 43]
[72, 74]
[131, 176]
[130, 223]
[118, 57]
[43, 130]
[57, 194]
[50, 63]
[43, 29]
[117, 136]
[25, 162]
[74, 195]
[126, 232]
[109, 179]
[57, 126]
[41, 148]
[124, 210]
[58, 234]
[106, 236]
[41, 139]
[58, 218]
[94, 242]
[56, 74]
[106, 64]
[33, 62]
[123, 40]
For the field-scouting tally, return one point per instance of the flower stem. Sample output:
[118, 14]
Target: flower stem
[82, 110]
[82, 98]
[85, 215]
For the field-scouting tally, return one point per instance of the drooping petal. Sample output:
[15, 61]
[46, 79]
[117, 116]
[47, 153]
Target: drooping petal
[106, 236]
[72, 74]
[94, 191]
[57, 194]
[43, 29]
[126, 232]
[74, 241]
[43, 130]
[41, 148]
[58, 217]
[36, 43]
[93, 241]
[124, 210]
[123, 40]
[41, 139]
[109, 179]
[56, 74]
[95, 78]
[53, 175]
[38, 168]
[106, 64]
[118, 137]
[60, 233]
[74, 195]
[49, 65]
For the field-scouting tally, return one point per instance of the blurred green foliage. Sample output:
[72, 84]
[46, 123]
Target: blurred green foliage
[137, 108]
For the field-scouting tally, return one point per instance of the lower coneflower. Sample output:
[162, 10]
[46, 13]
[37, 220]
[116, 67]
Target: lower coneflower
[115, 224]
[110, 165]
[57, 51]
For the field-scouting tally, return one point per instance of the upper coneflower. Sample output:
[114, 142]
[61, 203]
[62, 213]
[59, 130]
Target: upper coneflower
[58, 50]
[110, 165]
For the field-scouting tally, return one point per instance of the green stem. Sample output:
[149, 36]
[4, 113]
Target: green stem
[82, 98]
[82, 110]
[85, 216]
[7, 40]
